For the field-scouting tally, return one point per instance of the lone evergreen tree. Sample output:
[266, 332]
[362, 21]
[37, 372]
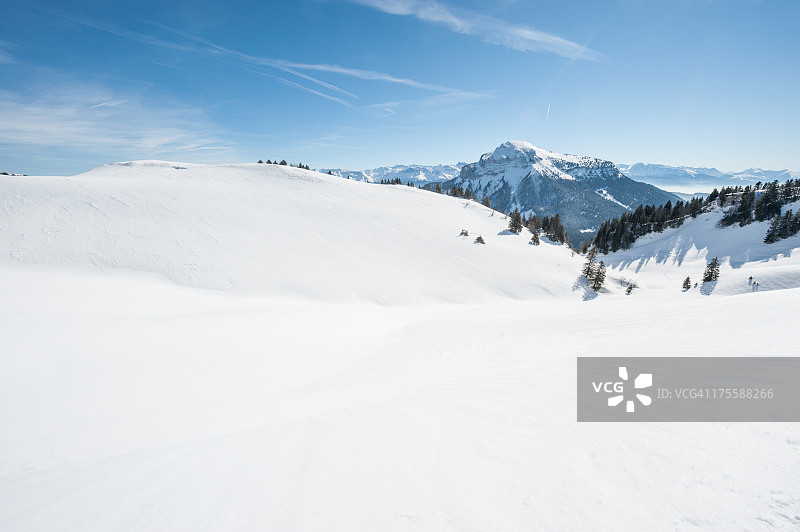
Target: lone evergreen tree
[588, 266]
[712, 271]
[599, 276]
[515, 222]
[535, 238]
[687, 283]
[486, 203]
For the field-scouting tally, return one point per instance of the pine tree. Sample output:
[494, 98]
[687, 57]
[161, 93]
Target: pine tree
[438, 188]
[599, 277]
[712, 271]
[515, 222]
[588, 266]
[773, 231]
[687, 283]
[486, 203]
[769, 204]
[283, 162]
[535, 238]
[558, 232]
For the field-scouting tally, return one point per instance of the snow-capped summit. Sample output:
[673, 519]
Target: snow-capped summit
[512, 149]
[521, 149]
[524, 155]
[583, 190]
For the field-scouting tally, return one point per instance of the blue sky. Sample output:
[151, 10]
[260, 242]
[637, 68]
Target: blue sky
[364, 83]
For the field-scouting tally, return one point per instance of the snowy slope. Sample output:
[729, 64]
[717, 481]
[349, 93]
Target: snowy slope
[330, 382]
[273, 230]
[132, 404]
[664, 260]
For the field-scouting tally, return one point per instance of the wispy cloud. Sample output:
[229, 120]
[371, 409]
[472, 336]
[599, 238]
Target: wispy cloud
[489, 29]
[292, 67]
[5, 55]
[304, 88]
[371, 75]
[86, 117]
[206, 48]
[285, 66]
[440, 103]
[111, 103]
[200, 46]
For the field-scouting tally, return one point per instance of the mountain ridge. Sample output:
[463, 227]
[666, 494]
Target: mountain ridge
[583, 190]
[415, 173]
[689, 179]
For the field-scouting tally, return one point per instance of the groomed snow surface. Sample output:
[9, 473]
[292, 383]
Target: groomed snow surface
[250, 347]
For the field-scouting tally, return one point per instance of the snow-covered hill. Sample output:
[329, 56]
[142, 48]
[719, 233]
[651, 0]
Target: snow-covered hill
[363, 367]
[690, 180]
[661, 261]
[273, 230]
[415, 173]
[584, 191]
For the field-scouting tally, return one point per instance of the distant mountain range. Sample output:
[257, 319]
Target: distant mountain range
[415, 173]
[684, 181]
[689, 180]
[584, 191]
